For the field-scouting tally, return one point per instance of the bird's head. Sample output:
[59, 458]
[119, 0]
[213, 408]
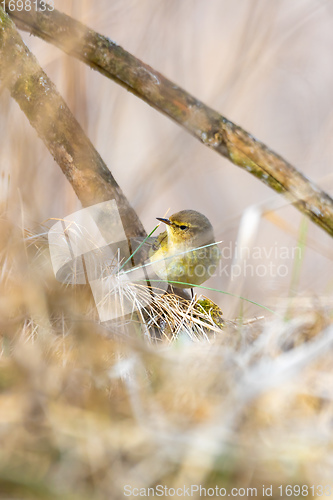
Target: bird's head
[189, 228]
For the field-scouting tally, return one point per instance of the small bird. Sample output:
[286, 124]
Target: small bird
[176, 254]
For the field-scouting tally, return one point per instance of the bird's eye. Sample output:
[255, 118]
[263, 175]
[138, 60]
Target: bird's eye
[183, 227]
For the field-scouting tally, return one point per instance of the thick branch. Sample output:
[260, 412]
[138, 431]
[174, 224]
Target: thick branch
[57, 127]
[211, 128]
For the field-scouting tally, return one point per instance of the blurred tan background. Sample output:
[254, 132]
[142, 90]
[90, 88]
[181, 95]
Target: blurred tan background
[265, 65]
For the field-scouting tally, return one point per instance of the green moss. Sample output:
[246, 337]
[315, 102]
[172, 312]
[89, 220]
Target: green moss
[209, 307]
[246, 163]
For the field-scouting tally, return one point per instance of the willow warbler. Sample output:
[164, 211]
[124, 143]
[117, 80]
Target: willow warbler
[176, 254]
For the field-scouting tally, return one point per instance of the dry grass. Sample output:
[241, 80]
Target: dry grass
[86, 410]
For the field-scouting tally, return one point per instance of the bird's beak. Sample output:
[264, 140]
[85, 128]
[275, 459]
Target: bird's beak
[166, 221]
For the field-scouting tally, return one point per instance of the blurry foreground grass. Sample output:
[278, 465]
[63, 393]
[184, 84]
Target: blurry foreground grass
[87, 409]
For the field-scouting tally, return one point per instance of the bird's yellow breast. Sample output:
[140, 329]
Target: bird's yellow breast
[178, 263]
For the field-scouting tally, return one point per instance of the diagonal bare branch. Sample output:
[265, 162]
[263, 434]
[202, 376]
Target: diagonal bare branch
[207, 125]
[57, 127]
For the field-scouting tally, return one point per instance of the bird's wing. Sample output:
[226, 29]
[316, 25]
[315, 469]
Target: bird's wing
[158, 241]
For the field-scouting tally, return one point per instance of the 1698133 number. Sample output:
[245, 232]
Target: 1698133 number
[305, 490]
[27, 5]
